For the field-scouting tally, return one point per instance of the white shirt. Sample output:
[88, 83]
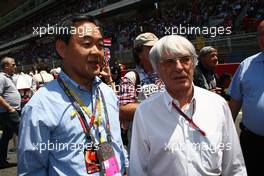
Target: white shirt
[164, 143]
[23, 81]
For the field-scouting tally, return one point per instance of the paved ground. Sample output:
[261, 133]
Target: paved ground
[12, 171]
[12, 158]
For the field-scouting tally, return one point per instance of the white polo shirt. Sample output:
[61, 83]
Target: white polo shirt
[164, 143]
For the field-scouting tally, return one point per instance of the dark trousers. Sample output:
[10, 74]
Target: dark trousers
[252, 147]
[9, 124]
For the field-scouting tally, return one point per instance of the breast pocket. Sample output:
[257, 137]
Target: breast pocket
[211, 153]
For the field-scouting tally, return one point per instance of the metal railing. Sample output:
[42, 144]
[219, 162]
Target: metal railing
[233, 48]
[21, 10]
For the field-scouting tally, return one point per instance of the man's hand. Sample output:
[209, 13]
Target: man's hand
[106, 73]
[6, 105]
[11, 109]
[14, 116]
[217, 90]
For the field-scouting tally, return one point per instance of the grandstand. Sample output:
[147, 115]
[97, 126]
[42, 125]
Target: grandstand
[124, 19]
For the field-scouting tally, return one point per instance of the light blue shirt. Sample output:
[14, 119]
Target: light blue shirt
[51, 138]
[247, 86]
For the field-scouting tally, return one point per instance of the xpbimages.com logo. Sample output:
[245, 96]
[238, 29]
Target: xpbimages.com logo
[58, 30]
[58, 146]
[194, 30]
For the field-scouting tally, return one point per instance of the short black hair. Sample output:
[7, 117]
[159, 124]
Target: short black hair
[68, 23]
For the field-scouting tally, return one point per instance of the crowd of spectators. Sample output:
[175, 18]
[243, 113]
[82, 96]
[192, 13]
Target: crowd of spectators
[90, 5]
[254, 15]
[42, 20]
[197, 13]
[34, 52]
[123, 31]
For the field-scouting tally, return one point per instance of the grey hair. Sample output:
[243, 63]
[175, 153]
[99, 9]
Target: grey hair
[206, 50]
[171, 45]
[5, 61]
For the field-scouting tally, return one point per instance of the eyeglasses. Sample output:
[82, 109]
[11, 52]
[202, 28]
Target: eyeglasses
[173, 60]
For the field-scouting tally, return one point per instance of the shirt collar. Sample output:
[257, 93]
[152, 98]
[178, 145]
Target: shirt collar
[74, 84]
[168, 99]
[204, 70]
[7, 75]
[260, 57]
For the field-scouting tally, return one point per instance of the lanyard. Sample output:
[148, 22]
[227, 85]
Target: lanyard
[76, 102]
[188, 119]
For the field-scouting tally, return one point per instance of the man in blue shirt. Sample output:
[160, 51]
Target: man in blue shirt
[247, 91]
[66, 123]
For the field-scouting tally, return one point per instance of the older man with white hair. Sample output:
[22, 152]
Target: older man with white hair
[184, 130]
[204, 72]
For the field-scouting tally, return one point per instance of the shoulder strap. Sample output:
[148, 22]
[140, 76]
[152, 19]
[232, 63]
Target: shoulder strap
[137, 78]
[42, 78]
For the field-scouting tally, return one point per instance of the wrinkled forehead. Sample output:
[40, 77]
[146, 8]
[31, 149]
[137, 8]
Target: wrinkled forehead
[171, 53]
[212, 51]
[10, 61]
[87, 29]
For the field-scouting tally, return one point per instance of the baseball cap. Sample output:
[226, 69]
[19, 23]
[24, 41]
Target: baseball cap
[146, 39]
